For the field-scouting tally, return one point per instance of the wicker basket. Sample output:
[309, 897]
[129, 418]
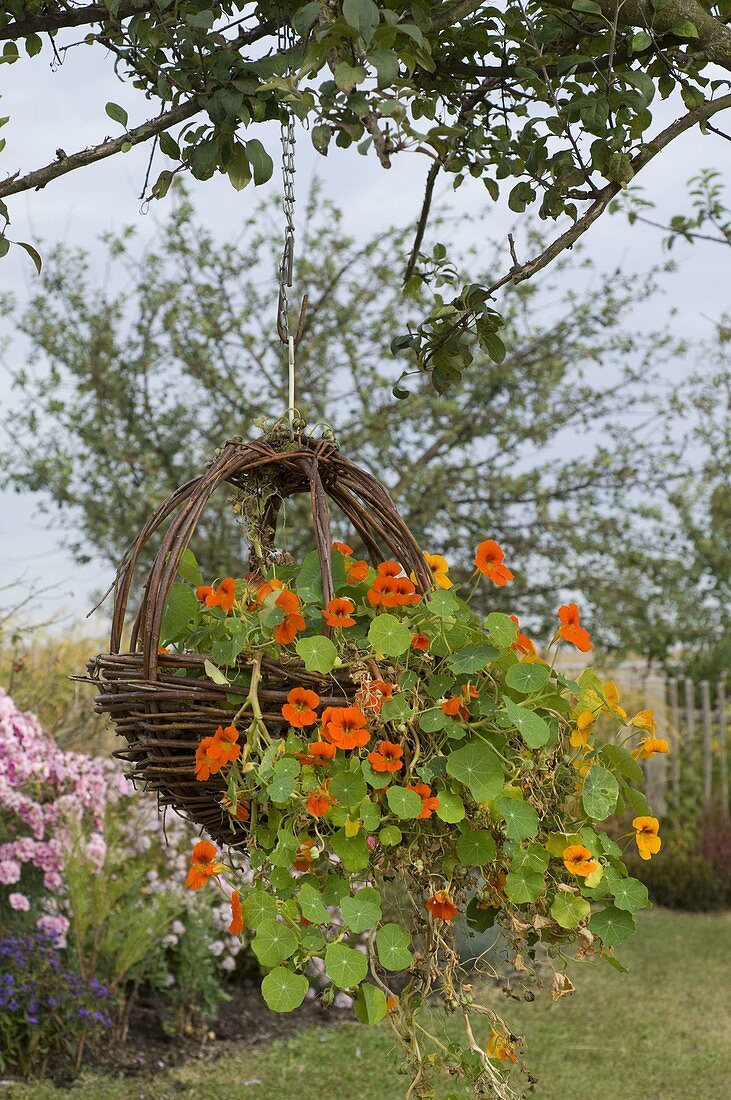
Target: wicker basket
[163, 716]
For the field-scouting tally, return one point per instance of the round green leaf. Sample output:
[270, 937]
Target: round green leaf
[404, 803]
[319, 654]
[524, 885]
[180, 607]
[471, 659]
[521, 819]
[353, 851]
[534, 730]
[478, 768]
[630, 894]
[527, 678]
[390, 835]
[392, 946]
[451, 807]
[362, 911]
[273, 943]
[388, 635]
[311, 904]
[345, 966]
[284, 991]
[476, 848]
[348, 787]
[569, 910]
[501, 629]
[370, 1004]
[612, 925]
[600, 793]
[258, 907]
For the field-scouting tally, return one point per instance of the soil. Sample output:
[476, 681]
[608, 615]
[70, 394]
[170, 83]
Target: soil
[245, 1018]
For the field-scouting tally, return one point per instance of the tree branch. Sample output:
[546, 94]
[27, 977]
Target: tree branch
[73, 17]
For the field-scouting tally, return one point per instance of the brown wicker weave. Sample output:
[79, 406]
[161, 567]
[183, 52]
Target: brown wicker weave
[162, 716]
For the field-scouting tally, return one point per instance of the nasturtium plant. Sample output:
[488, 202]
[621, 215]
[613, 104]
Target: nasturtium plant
[460, 778]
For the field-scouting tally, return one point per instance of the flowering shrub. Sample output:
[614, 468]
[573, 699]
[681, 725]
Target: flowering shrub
[44, 1006]
[82, 862]
[466, 767]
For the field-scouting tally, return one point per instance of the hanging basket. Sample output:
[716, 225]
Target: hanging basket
[163, 703]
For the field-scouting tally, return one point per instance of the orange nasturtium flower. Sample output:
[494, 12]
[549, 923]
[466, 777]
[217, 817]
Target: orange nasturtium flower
[286, 631]
[428, 802]
[645, 720]
[649, 747]
[236, 926]
[500, 1047]
[320, 801]
[522, 643]
[390, 588]
[646, 838]
[222, 597]
[570, 630]
[203, 865]
[584, 725]
[303, 857]
[344, 549]
[264, 590]
[441, 906]
[577, 859]
[238, 810]
[356, 571]
[213, 753]
[346, 727]
[300, 710]
[489, 560]
[420, 641]
[339, 613]
[387, 757]
[319, 752]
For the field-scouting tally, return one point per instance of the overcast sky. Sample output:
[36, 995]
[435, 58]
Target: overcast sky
[65, 109]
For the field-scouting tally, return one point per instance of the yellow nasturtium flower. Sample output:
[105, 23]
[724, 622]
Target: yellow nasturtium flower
[611, 700]
[584, 725]
[644, 720]
[439, 568]
[649, 747]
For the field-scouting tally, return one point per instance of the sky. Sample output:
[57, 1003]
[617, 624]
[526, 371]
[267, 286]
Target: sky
[65, 108]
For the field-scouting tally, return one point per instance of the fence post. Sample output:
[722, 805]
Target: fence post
[723, 760]
[653, 689]
[675, 741]
[707, 745]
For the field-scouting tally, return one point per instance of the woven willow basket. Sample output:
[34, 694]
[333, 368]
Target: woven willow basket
[163, 715]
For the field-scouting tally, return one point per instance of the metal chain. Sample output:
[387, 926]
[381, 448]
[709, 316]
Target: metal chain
[285, 41]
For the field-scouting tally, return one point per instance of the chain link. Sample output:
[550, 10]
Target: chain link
[285, 41]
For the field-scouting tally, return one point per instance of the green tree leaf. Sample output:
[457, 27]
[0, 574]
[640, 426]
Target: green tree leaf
[117, 114]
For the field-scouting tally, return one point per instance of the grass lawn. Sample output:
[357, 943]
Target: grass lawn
[660, 1032]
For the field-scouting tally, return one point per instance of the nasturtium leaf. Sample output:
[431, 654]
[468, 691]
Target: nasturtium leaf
[348, 787]
[638, 802]
[283, 990]
[630, 894]
[475, 848]
[404, 803]
[569, 910]
[363, 910]
[397, 709]
[284, 780]
[558, 842]
[501, 629]
[346, 967]
[318, 653]
[259, 907]
[273, 943]
[521, 819]
[352, 851]
[309, 579]
[532, 858]
[388, 635]
[215, 674]
[451, 807]
[527, 678]
[524, 885]
[480, 917]
[180, 607]
[612, 925]
[188, 568]
[478, 768]
[392, 946]
[370, 815]
[534, 730]
[311, 904]
[433, 720]
[370, 1004]
[443, 605]
[390, 835]
[471, 659]
[620, 760]
[600, 793]
[377, 780]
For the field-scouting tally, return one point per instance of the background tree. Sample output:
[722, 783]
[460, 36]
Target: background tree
[130, 387]
[548, 100]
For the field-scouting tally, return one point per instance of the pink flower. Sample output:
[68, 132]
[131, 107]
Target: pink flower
[19, 902]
